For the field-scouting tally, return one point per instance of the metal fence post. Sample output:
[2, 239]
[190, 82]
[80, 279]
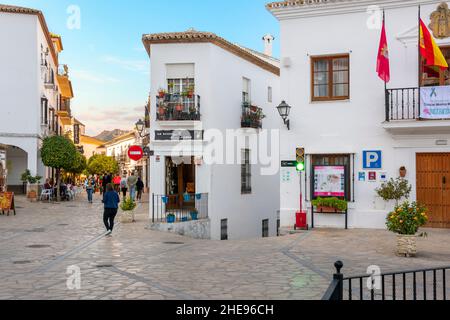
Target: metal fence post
[338, 276]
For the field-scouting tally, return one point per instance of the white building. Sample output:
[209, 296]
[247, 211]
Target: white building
[340, 110]
[29, 90]
[118, 149]
[210, 86]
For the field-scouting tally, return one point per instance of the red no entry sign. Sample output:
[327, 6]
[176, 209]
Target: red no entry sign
[135, 153]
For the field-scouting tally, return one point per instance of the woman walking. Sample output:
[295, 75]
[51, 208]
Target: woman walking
[111, 202]
[124, 186]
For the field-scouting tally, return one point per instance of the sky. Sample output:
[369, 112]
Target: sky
[108, 64]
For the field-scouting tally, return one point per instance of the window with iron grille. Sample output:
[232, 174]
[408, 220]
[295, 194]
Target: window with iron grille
[246, 172]
[265, 228]
[224, 229]
[44, 111]
[178, 89]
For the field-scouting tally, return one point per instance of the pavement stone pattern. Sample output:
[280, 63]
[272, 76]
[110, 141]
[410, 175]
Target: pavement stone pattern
[45, 239]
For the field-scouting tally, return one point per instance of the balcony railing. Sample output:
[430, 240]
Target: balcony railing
[402, 104]
[252, 116]
[183, 207]
[175, 107]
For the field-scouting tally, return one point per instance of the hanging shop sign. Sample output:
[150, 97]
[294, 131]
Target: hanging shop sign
[7, 202]
[76, 134]
[435, 102]
[372, 160]
[135, 153]
[329, 181]
[178, 135]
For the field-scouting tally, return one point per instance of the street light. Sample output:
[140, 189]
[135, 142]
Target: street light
[284, 109]
[140, 126]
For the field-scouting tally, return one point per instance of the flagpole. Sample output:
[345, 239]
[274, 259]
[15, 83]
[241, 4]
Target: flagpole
[420, 65]
[384, 24]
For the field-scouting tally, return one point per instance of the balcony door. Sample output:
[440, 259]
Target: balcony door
[433, 77]
[433, 187]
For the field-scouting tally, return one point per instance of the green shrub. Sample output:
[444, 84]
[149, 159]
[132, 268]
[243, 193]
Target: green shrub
[394, 190]
[128, 204]
[335, 203]
[407, 218]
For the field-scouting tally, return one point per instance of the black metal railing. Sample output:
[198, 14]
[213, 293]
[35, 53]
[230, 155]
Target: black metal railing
[402, 104]
[182, 208]
[421, 284]
[252, 116]
[176, 107]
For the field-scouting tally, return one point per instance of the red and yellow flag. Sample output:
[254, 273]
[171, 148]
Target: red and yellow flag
[429, 49]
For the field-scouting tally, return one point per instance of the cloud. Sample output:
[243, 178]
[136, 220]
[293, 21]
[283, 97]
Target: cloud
[92, 77]
[97, 120]
[141, 66]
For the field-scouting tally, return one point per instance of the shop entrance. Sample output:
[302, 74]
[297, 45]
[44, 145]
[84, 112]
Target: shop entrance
[180, 182]
[433, 187]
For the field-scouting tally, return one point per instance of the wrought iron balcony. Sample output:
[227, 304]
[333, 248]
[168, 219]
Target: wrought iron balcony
[176, 107]
[402, 104]
[252, 116]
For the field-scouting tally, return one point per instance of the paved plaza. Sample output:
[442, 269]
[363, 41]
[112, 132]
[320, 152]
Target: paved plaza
[44, 240]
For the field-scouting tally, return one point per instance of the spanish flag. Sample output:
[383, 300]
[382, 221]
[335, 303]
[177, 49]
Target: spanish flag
[429, 49]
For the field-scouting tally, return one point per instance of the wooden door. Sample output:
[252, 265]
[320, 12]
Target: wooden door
[433, 187]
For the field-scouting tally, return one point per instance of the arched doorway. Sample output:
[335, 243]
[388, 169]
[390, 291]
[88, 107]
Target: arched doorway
[13, 162]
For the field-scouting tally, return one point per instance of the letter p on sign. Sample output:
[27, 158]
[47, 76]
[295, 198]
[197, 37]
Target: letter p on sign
[372, 160]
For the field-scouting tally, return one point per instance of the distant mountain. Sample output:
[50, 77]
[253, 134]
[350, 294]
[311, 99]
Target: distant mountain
[109, 135]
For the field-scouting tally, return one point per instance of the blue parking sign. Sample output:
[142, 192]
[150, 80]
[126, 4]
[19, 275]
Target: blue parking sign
[372, 160]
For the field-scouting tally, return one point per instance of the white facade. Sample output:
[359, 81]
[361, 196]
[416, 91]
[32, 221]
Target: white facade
[357, 124]
[26, 44]
[220, 77]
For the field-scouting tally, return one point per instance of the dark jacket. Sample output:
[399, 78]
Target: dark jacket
[139, 185]
[111, 200]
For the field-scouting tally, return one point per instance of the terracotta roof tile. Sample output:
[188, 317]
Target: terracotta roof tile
[192, 36]
[299, 3]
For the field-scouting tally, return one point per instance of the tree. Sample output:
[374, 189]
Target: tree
[101, 164]
[79, 165]
[59, 153]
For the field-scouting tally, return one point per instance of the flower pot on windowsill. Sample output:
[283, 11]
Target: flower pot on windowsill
[406, 245]
[179, 108]
[194, 215]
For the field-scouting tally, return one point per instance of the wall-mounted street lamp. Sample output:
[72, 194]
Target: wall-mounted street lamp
[284, 110]
[140, 126]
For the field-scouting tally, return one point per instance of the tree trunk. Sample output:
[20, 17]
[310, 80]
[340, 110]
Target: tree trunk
[58, 182]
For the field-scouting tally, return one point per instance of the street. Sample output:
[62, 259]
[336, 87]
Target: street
[45, 242]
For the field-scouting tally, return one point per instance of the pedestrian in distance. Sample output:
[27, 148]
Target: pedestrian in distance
[131, 181]
[139, 188]
[124, 186]
[116, 182]
[90, 185]
[111, 202]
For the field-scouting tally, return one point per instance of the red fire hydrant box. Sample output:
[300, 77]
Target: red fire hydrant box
[301, 220]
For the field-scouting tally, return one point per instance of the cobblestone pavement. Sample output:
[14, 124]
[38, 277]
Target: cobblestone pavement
[44, 240]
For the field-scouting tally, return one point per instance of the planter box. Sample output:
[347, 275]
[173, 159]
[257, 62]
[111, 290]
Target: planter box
[406, 245]
[32, 192]
[327, 210]
[127, 217]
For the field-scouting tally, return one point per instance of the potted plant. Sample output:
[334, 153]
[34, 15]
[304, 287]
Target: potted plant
[330, 205]
[194, 214]
[32, 184]
[405, 221]
[190, 92]
[179, 107]
[127, 206]
[394, 190]
[403, 172]
[170, 218]
[161, 93]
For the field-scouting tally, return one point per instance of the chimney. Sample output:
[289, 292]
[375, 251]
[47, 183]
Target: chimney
[268, 42]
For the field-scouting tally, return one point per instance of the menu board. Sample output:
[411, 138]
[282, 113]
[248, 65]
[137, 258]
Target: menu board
[7, 202]
[329, 181]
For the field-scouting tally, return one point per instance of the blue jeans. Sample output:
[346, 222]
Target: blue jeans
[132, 192]
[89, 194]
